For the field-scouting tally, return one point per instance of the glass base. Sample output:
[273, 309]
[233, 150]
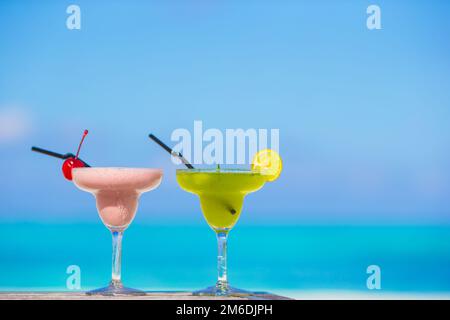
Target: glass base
[221, 290]
[116, 289]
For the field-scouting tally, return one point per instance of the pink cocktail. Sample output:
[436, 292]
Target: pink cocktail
[117, 192]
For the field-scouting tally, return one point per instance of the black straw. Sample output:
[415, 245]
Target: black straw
[49, 153]
[169, 150]
[56, 154]
[185, 162]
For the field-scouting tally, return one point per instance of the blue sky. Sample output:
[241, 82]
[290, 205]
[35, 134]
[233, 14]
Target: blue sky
[363, 115]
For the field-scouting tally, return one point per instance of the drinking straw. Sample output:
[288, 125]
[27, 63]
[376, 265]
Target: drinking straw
[56, 154]
[185, 162]
[172, 152]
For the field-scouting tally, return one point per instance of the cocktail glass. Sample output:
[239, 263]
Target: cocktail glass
[221, 194]
[117, 192]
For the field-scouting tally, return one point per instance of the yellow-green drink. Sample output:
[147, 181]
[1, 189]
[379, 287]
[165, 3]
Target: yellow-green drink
[221, 192]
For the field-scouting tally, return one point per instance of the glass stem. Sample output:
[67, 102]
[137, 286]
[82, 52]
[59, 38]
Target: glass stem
[222, 280]
[116, 258]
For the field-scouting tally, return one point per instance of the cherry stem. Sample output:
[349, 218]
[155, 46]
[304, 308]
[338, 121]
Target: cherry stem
[81, 142]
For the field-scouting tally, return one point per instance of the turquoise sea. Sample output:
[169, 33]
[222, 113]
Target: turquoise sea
[412, 258]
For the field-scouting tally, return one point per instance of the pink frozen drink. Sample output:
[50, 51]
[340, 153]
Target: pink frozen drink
[117, 191]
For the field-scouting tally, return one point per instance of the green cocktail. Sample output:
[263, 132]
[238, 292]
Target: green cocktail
[221, 194]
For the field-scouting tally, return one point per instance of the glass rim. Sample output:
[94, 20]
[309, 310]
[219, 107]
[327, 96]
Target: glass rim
[118, 168]
[213, 170]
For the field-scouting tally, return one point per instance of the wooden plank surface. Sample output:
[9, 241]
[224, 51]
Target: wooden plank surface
[148, 296]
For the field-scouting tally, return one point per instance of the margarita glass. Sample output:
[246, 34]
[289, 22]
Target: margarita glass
[221, 194]
[117, 192]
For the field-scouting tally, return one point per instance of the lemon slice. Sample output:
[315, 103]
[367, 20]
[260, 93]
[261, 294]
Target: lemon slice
[269, 163]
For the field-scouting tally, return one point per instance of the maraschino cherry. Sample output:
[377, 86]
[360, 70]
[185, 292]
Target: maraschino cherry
[72, 162]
